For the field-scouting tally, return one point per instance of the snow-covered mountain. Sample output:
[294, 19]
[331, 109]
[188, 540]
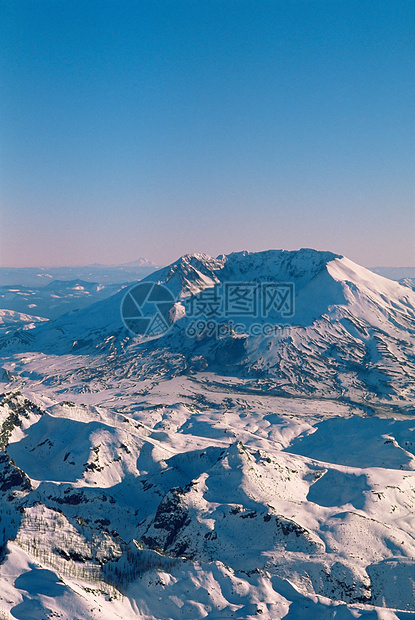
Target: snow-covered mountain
[351, 334]
[215, 506]
[12, 318]
[139, 262]
[232, 474]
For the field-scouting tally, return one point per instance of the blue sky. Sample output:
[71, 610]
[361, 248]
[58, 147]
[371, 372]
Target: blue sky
[155, 128]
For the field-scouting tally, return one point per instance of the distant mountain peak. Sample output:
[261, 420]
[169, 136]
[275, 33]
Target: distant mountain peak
[139, 262]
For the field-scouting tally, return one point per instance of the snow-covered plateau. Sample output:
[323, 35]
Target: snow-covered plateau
[236, 474]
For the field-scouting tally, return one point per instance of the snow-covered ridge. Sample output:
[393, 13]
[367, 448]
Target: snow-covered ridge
[13, 318]
[152, 508]
[195, 272]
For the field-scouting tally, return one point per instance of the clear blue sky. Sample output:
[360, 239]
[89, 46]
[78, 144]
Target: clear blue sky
[154, 128]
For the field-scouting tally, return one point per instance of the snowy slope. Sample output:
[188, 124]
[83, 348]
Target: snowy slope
[164, 504]
[232, 477]
[12, 318]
